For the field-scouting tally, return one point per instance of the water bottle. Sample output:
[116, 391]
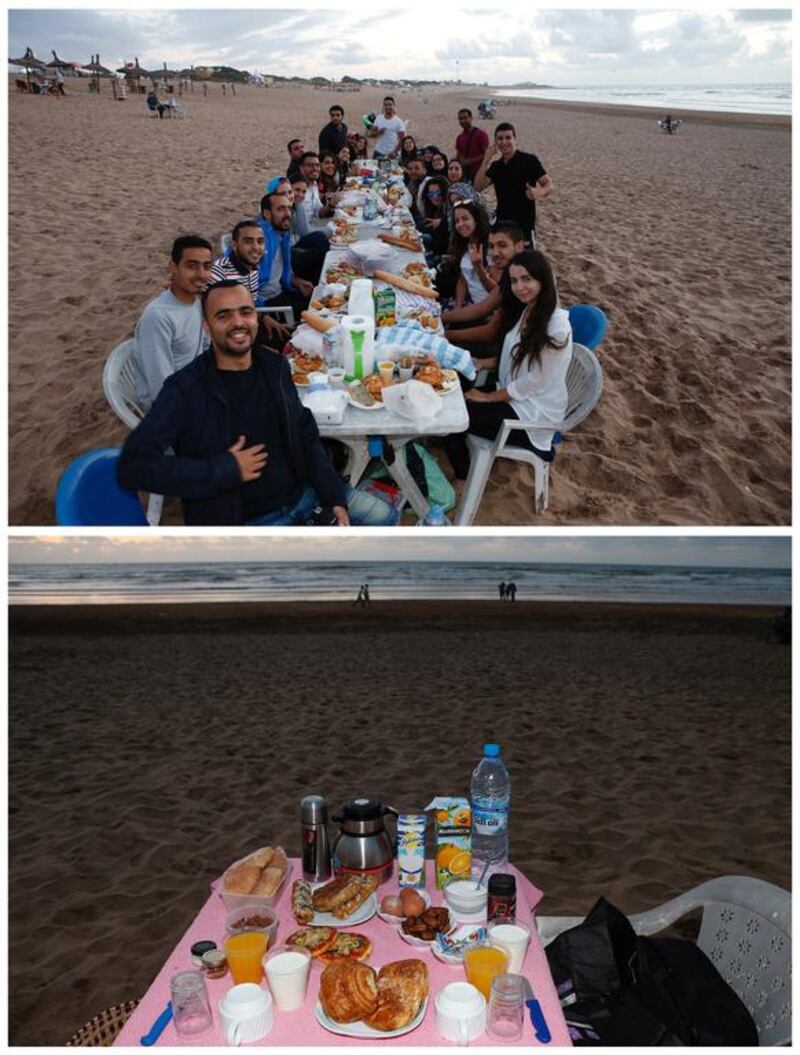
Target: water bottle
[371, 205]
[435, 517]
[490, 791]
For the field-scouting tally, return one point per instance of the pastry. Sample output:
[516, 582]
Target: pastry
[316, 939]
[348, 990]
[402, 988]
[334, 893]
[347, 947]
[366, 885]
[302, 904]
[271, 879]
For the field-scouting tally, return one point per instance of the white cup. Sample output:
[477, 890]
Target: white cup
[515, 939]
[336, 376]
[460, 1012]
[245, 1014]
[287, 976]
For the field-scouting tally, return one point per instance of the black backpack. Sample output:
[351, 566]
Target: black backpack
[617, 988]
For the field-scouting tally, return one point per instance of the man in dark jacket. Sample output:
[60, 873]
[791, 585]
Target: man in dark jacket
[334, 135]
[246, 451]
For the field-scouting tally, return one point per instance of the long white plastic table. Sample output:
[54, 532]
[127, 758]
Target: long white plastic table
[359, 425]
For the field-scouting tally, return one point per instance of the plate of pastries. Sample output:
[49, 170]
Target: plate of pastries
[345, 901]
[355, 1000]
[327, 944]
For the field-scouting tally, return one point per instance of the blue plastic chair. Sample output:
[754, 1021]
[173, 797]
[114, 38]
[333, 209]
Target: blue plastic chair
[88, 494]
[589, 325]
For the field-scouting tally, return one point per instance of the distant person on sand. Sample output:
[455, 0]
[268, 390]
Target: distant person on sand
[511, 590]
[240, 263]
[154, 104]
[59, 79]
[170, 333]
[471, 144]
[359, 597]
[501, 589]
[277, 284]
[334, 135]
[246, 450]
[519, 180]
[366, 593]
[387, 131]
[296, 148]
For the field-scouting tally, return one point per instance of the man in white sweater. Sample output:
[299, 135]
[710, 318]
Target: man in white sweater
[170, 334]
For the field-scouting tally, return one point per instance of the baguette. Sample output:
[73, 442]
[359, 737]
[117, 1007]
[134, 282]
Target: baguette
[406, 284]
[316, 322]
[402, 243]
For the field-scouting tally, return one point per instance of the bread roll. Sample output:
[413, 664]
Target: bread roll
[262, 857]
[268, 883]
[316, 322]
[242, 878]
[405, 284]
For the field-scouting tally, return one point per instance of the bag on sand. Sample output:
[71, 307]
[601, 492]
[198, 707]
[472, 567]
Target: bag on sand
[617, 988]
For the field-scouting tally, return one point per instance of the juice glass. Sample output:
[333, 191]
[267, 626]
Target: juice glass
[245, 952]
[483, 962]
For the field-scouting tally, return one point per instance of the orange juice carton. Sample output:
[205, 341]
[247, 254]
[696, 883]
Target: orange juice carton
[453, 824]
[411, 849]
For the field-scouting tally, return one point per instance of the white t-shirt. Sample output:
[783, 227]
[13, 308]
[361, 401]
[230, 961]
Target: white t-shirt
[477, 290]
[391, 129]
[539, 391]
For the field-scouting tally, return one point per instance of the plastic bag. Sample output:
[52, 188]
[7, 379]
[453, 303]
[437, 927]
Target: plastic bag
[304, 339]
[327, 405]
[412, 400]
[369, 254]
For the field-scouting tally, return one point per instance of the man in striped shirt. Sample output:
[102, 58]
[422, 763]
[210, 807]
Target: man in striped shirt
[241, 264]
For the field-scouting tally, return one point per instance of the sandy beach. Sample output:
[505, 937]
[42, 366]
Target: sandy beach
[683, 240]
[149, 746]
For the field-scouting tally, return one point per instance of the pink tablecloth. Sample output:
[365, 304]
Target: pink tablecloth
[301, 1027]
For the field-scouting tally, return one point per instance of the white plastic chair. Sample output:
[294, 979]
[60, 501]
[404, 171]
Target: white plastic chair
[584, 386]
[120, 390]
[746, 932]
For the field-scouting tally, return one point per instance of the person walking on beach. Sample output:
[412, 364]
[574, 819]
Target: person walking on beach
[366, 593]
[246, 450]
[59, 81]
[170, 333]
[501, 589]
[387, 130]
[359, 597]
[519, 180]
[471, 145]
[511, 590]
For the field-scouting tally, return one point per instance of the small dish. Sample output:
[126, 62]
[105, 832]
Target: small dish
[397, 921]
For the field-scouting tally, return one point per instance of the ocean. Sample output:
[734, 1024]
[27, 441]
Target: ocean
[391, 580]
[717, 98]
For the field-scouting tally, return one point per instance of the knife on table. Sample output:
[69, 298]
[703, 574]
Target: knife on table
[157, 1027]
[540, 1028]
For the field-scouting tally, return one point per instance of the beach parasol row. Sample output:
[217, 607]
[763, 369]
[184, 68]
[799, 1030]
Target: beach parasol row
[28, 62]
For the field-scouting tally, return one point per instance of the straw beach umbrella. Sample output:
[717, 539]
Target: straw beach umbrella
[58, 63]
[134, 70]
[98, 70]
[163, 74]
[30, 62]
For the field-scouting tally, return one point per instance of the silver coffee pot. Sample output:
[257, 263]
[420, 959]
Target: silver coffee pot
[363, 845]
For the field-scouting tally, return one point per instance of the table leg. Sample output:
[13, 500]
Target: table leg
[358, 458]
[399, 472]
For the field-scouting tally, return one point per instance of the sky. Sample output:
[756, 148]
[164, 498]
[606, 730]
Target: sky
[500, 45]
[699, 551]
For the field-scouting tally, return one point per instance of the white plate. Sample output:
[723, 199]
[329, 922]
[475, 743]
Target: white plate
[396, 921]
[361, 915]
[360, 1029]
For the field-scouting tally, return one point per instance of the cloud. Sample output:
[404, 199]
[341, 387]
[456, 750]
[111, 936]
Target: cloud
[350, 55]
[784, 15]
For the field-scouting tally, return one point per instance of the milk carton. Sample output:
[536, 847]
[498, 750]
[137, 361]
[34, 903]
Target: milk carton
[453, 822]
[411, 849]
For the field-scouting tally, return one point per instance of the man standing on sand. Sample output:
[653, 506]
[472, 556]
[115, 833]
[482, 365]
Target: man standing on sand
[246, 450]
[519, 180]
[169, 333]
[334, 135]
[471, 145]
[240, 263]
[277, 284]
[388, 131]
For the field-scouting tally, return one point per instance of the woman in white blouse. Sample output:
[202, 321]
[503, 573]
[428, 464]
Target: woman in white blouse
[532, 366]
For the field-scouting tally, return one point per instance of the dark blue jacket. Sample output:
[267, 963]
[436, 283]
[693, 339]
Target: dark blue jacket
[192, 417]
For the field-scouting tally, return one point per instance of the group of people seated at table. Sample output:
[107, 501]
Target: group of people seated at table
[225, 429]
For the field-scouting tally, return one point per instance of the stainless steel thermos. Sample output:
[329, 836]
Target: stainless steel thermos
[316, 842]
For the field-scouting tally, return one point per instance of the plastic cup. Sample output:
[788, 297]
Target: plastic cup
[336, 376]
[515, 939]
[245, 952]
[287, 973]
[191, 1009]
[506, 1006]
[386, 370]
